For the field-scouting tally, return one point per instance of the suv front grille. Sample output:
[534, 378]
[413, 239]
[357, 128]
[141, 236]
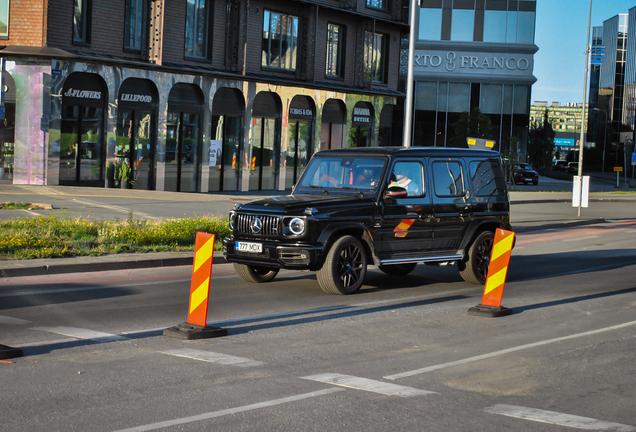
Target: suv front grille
[269, 227]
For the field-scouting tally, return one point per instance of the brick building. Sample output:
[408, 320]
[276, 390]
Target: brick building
[193, 95]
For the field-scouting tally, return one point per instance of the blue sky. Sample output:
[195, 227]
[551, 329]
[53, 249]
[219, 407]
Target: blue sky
[561, 29]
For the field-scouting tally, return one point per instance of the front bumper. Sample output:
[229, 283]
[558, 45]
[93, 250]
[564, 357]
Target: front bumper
[275, 255]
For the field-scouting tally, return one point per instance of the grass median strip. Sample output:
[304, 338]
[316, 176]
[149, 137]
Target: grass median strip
[55, 236]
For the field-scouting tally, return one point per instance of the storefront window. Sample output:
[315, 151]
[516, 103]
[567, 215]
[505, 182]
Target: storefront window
[430, 24]
[462, 25]
[426, 96]
[490, 102]
[458, 97]
[4, 18]
[197, 19]
[521, 100]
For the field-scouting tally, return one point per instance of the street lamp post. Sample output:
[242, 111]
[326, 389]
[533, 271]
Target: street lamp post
[604, 137]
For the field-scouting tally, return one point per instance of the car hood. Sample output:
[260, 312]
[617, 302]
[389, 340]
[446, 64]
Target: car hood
[296, 204]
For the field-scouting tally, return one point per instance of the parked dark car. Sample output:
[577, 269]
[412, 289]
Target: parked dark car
[392, 207]
[573, 167]
[559, 165]
[524, 173]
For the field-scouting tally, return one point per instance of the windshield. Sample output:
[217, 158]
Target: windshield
[330, 173]
[523, 167]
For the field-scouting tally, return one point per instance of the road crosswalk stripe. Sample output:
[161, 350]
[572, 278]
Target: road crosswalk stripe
[80, 333]
[11, 320]
[213, 357]
[365, 384]
[215, 414]
[557, 418]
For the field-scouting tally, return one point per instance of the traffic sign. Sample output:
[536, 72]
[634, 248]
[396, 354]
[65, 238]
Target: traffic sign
[633, 158]
[618, 169]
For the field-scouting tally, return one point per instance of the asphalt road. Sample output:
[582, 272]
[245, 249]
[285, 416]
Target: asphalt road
[402, 354]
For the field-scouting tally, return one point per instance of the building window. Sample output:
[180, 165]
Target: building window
[378, 4]
[462, 25]
[197, 26]
[430, 27]
[134, 22]
[4, 19]
[335, 51]
[375, 54]
[81, 21]
[509, 26]
[280, 41]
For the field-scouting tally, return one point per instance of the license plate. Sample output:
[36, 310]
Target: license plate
[249, 247]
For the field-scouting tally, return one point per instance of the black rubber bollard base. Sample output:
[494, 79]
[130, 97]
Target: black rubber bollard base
[7, 352]
[190, 331]
[489, 311]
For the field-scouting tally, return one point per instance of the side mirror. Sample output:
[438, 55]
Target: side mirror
[396, 192]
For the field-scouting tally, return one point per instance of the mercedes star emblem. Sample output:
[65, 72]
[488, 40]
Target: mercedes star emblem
[257, 225]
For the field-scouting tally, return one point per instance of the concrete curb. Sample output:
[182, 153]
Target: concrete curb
[94, 264]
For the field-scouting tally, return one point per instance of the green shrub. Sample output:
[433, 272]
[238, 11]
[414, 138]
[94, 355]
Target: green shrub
[55, 236]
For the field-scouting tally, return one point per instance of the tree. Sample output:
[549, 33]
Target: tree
[541, 143]
[475, 125]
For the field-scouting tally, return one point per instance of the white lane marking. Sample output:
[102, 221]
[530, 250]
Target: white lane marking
[556, 418]
[80, 333]
[365, 384]
[213, 357]
[507, 351]
[229, 411]
[115, 208]
[32, 213]
[45, 343]
[580, 238]
[89, 288]
[11, 320]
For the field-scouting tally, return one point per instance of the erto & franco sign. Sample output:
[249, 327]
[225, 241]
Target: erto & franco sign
[470, 63]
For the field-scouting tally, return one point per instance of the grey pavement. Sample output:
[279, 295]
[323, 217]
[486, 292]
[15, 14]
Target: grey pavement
[118, 203]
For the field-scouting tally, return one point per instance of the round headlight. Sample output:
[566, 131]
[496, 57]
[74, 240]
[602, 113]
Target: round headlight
[297, 226]
[231, 223]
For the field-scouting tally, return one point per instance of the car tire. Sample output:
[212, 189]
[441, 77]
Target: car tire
[398, 269]
[474, 268]
[255, 274]
[344, 268]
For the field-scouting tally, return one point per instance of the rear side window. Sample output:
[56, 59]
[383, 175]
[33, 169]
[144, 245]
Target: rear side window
[448, 177]
[487, 178]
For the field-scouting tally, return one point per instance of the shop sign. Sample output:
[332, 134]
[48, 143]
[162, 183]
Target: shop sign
[83, 94]
[361, 115]
[470, 63]
[301, 112]
[136, 98]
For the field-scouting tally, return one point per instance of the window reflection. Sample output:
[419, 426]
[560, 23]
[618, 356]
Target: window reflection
[430, 24]
[462, 26]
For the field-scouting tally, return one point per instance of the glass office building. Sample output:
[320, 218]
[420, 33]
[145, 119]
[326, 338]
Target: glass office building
[473, 54]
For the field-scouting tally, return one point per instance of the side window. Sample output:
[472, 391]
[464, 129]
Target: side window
[448, 178]
[487, 178]
[410, 176]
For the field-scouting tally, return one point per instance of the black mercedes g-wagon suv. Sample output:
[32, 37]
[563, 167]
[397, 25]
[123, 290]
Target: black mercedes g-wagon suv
[393, 207]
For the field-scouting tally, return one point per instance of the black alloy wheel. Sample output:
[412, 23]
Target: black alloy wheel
[345, 267]
[474, 268]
